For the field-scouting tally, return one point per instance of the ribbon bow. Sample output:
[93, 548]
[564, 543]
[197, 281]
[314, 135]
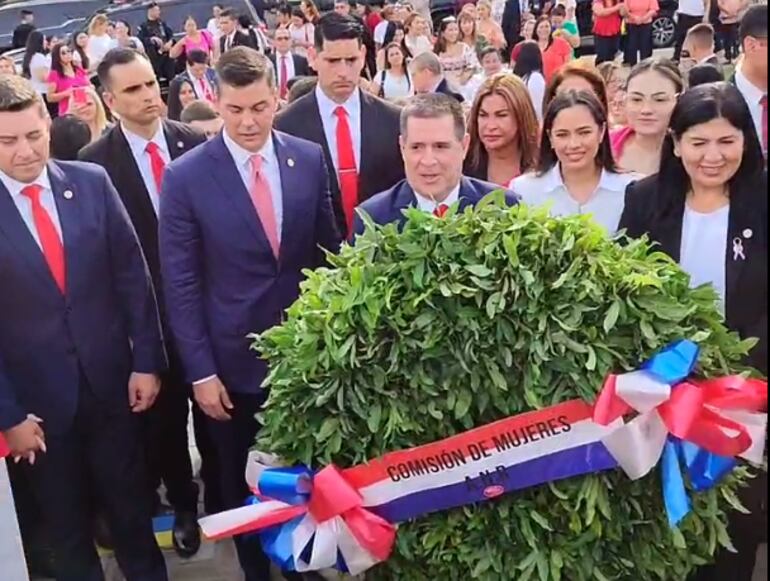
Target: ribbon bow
[307, 521]
[701, 425]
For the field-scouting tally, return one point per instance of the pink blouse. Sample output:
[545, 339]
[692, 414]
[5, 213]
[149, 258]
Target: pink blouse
[618, 140]
[206, 43]
[63, 83]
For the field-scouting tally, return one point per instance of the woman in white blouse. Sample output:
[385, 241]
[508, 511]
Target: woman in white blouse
[457, 58]
[393, 81]
[418, 38]
[99, 42]
[577, 173]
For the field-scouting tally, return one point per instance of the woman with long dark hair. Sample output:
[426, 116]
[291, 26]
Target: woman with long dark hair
[557, 52]
[395, 33]
[529, 68]
[80, 50]
[707, 209]
[457, 58]
[37, 59]
[67, 81]
[393, 81]
[504, 131]
[576, 173]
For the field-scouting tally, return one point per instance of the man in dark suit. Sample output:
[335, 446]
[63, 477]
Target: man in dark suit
[434, 142]
[200, 76]
[23, 30]
[157, 38]
[511, 25]
[80, 345]
[700, 45]
[428, 77]
[358, 132]
[240, 218]
[135, 153]
[287, 65]
[231, 36]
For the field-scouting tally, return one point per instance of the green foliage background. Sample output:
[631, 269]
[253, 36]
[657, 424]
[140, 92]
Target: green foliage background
[462, 321]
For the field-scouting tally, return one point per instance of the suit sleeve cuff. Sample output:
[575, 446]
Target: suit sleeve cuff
[204, 380]
[10, 417]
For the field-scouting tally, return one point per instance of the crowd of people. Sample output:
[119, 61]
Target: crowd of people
[198, 216]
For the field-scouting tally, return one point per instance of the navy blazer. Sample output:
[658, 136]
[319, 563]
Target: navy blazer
[389, 206]
[221, 278]
[107, 324]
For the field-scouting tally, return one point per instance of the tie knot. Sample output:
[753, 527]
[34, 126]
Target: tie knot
[256, 164]
[152, 148]
[341, 112]
[441, 210]
[33, 193]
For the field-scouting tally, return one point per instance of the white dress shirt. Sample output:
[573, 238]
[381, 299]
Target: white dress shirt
[606, 204]
[429, 205]
[24, 204]
[704, 248]
[271, 170]
[753, 96]
[138, 146]
[327, 107]
[290, 72]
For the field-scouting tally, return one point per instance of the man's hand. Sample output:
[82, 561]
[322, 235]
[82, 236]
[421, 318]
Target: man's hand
[26, 440]
[143, 388]
[212, 398]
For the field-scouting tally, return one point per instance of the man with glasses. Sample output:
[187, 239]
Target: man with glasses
[751, 74]
[287, 65]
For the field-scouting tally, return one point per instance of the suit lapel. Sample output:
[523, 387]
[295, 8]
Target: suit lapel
[405, 198]
[176, 146]
[68, 201]
[18, 234]
[669, 232]
[130, 183]
[468, 195]
[739, 246]
[229, 179]
[291, 182]
[369, 157]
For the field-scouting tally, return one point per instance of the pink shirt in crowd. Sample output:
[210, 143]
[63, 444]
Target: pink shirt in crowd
[63, 83]
[206, 43]
[639, 9]
[618, 140]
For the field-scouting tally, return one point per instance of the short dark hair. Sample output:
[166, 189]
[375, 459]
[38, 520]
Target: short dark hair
[433, 106]
[702, 33]
[197, 57]
[229, 13]
[333, 26]
[754, 23]
[115, 58]
[198, 111]
[25, 12]
[704, 74]
[530, 60]
[285, 9]
[69, 135]
[559, 10]
[152, 5]
[488, 50]
[548, 158]
[702, 105]
[301, 86]
[17, 94]
[243, 66]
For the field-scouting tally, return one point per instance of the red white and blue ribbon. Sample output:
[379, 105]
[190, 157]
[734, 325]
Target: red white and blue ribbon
[346, 518]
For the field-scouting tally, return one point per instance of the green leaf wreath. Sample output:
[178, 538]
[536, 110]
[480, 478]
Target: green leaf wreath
[454, 323]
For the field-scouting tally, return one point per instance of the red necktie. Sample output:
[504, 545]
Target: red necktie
[205, 91]
[440, 210]
[346, 161]
[262, 198]
[157, 163]
[53, 248]
[763, 104]
[284, 78]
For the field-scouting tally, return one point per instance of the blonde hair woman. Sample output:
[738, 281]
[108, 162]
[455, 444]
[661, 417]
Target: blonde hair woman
[99, 41]
[92, 112]
[504, 131]
[487, 27]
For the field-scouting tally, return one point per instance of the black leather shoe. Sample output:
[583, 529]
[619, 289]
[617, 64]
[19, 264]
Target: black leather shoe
[187, 534]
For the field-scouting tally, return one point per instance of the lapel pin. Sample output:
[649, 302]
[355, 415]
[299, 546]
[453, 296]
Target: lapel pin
[180, 145]
[738, 251]
[290, 162]
[68, 195]
[748, 233]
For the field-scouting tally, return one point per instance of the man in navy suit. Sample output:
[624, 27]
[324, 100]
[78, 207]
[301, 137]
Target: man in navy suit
[434, 142]
[240, 218]
[80, 345]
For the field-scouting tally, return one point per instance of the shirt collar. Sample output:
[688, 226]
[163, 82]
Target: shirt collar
[242, 157]
[427, 204]
[706, 60]
[139, 144]
[15, 187]
[327, 107]
[751, 92]
[608, 181]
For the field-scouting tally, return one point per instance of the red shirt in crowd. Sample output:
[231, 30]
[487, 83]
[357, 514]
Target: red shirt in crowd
[611, 25]
[555, 57]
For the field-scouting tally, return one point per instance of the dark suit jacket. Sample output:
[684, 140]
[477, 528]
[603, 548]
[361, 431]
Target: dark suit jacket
[105, 326]
[301, 66]
[658, 209]
[221, 278]
[241, 39]
[389, 206]
[113, 153]
[444, 89]
[381, 163]
[174, 105]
